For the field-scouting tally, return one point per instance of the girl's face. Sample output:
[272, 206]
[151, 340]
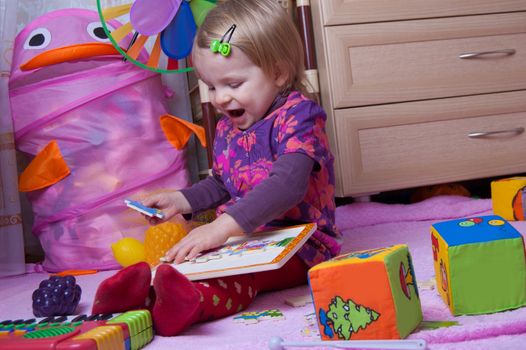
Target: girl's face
[237, 87]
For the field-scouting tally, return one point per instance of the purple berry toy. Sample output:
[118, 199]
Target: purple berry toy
[56, 296]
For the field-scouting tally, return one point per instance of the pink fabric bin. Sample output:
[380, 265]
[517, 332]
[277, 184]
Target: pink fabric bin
[104, 115]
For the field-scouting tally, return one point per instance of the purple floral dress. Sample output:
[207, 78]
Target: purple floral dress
[243, 158]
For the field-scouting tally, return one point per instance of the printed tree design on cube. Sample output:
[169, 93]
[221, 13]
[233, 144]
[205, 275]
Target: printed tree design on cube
[347, 317]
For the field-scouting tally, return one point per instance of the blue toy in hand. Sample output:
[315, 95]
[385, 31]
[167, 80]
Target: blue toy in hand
[144, 209]
[56, 296]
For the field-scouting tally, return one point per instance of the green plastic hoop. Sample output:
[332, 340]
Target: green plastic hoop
[130, 59]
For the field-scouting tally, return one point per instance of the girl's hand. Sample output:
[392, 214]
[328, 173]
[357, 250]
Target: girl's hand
[204, 237]
[170, 203]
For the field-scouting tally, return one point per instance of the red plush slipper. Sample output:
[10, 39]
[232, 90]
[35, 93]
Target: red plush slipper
[124, 291]
[177, 302]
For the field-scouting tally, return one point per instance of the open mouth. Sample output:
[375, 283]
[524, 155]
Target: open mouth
[235, 113]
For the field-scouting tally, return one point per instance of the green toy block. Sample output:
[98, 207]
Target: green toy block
[479, 265]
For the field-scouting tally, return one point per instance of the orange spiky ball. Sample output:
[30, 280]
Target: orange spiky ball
[160, 238]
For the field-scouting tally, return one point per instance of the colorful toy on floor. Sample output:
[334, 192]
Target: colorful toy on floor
[74, 272]
[128, 251]
[158, 239]
[508, 197]
[368, 294]
[128, 331]
[449, 189]
[96, 131]
[56, 296]
[479, 264]
[257, 316]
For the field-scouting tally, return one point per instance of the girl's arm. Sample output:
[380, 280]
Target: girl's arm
[283, 189]
[207, 193]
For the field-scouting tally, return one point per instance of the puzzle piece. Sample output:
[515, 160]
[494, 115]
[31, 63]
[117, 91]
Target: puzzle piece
[427, 325]
[427, 285]
[205, 258]
[310, 332]
[311, 318]
[256, 316]
[298, 301]
[311, 329]
[273, 314]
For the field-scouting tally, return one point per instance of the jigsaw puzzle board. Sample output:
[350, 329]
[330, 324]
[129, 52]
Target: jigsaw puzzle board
[260, 251]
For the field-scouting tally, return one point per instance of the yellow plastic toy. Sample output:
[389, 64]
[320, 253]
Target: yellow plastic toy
[128, 251]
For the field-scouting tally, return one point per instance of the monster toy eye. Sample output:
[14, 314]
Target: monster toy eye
[38, 39]
[96, 31]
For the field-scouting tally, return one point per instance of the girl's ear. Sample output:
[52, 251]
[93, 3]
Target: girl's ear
[281, 76]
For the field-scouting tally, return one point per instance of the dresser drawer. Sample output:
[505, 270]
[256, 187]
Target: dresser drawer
[419, 143]
[416, 60]
[363, 11]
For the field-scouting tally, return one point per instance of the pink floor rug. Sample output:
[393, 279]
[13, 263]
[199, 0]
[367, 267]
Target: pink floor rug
[365, 226]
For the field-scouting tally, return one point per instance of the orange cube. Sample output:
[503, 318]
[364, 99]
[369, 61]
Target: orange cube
[366, 295]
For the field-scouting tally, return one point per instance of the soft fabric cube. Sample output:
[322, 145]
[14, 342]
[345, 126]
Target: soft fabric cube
[508, 197]
[479, 265]
[369, 294]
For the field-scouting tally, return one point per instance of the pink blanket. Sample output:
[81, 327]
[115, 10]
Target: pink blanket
[365, 225]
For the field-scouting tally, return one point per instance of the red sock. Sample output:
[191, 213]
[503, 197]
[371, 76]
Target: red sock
[225, 296]
[126, 290]
[181, 303]
[177, 301]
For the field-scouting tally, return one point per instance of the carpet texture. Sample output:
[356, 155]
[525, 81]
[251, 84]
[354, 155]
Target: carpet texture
[365, 226]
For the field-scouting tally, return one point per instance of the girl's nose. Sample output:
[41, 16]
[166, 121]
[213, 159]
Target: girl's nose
[222, 97]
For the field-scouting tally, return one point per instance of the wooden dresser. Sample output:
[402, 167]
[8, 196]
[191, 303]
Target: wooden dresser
[421, 92]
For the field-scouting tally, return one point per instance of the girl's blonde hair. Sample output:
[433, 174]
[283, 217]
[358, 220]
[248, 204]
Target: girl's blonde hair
[264, 32]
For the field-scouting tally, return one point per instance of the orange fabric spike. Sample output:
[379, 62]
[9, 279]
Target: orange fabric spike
[47, 168]
[178, 131]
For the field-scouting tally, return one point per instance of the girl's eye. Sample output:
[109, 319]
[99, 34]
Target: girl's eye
[234, 85]
[211, 88]
[96, 31]
[38, 39]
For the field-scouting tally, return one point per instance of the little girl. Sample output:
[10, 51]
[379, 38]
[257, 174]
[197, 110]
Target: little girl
[271, 162]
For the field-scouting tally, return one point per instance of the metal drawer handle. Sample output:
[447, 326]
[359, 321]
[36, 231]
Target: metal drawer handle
[506, 52]
[516, 131]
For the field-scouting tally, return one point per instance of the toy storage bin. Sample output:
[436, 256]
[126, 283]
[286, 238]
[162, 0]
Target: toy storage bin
[96, 133]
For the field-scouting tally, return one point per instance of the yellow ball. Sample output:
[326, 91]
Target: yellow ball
[128, 251]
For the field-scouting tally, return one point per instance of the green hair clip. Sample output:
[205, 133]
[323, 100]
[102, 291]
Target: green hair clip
[223, 46]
